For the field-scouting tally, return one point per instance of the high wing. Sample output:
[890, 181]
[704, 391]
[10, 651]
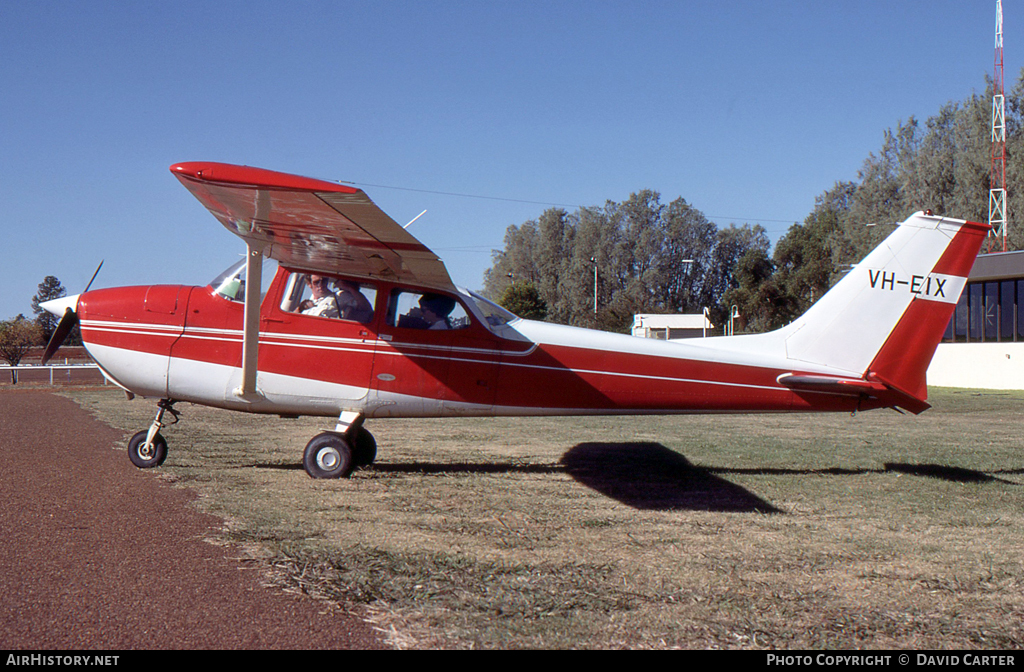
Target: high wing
[312, 224]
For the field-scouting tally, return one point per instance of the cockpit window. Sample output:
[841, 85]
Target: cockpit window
[492, 312]
[231, 282]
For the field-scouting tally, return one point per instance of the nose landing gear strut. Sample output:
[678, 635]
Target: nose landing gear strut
[148, 448]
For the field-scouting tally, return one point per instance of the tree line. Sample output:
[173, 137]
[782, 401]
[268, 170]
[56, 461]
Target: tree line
[658, 258]
[648, 257]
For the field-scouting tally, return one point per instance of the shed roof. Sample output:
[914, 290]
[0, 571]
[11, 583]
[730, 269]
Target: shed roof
[998, 266]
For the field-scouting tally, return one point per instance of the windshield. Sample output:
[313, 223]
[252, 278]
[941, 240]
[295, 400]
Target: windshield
[231, 282]
[492, 312]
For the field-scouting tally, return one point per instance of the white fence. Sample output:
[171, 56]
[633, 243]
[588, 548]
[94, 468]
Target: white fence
[54, 367]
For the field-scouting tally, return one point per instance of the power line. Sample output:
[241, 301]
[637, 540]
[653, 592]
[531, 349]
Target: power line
[751, 220]
[452, 193]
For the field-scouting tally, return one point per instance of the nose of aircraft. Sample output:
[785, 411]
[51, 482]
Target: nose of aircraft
[64, 308]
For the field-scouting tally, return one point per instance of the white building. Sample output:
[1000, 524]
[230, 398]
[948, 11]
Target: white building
[984, 342]
[670, 327]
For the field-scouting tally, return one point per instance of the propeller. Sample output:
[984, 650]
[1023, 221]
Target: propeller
[65, 307]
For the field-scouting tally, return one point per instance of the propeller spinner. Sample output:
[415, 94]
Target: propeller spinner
[63, 307]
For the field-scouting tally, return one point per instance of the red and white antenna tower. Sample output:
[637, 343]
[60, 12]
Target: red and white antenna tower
[997, 177]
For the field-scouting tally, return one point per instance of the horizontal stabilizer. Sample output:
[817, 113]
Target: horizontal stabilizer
[855, 387]
[833, 385]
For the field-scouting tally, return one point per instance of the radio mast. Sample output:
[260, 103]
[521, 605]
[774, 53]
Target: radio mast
[997, 176]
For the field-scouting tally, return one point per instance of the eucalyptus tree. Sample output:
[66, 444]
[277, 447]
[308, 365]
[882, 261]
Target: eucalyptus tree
[598, 266]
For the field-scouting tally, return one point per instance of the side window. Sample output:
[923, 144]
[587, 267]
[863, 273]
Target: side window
[328, 296]
[415, 310]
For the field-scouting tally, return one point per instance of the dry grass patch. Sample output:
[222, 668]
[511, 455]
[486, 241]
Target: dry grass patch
[872, 531]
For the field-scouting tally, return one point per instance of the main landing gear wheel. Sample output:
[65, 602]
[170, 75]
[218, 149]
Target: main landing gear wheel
[328, 456]
[147, 457]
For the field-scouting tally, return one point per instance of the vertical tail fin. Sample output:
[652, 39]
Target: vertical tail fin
[884, 320]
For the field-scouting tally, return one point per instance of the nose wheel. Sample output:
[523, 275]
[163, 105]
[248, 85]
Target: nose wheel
[148, 448]
[147, 454]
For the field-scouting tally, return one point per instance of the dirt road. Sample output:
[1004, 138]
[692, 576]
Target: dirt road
[95, 554]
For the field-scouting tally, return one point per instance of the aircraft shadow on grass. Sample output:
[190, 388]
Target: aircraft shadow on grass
[646, 476]
[649, 476]
[940, 471]
[652, 477]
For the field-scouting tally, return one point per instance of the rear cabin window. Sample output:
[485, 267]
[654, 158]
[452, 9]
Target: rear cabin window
[328, 296]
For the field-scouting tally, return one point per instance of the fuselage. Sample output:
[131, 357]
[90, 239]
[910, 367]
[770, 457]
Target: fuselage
[185, 343]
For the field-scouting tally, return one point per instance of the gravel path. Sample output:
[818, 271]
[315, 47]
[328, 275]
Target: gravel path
[97, 555]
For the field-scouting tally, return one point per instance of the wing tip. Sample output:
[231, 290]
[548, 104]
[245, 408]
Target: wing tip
[228, 173]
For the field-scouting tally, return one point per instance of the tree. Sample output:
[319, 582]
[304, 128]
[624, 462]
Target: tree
[524, 300]
[17, 336]
[49, 289]
[648, 257]
[804, 265]
[762, 304]
[689, 242]
[732, 244]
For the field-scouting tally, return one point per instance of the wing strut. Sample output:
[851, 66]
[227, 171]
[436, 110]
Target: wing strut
[251, 318]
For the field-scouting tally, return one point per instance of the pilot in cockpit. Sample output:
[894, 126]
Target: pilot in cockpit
[323, 303]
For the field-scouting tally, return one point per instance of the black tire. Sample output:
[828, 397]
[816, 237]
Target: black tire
[365, 450]
[328, 456]
[154, 458]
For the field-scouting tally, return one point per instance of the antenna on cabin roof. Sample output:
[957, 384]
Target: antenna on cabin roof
[414, 219]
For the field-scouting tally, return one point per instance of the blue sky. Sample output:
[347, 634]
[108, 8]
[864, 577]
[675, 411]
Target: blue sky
[748, 110]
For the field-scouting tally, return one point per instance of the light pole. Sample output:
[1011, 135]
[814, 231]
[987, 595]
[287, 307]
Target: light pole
[593, 260]
[734, 312]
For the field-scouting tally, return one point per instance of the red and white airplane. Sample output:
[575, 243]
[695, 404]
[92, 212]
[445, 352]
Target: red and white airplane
[362, 321]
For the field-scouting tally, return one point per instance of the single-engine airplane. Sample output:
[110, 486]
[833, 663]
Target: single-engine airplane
[361, 320]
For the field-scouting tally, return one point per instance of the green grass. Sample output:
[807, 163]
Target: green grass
[788, 531]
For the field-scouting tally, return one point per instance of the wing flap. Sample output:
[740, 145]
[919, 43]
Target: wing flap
[312, 224]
